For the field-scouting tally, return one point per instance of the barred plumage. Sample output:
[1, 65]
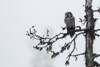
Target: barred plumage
[70, 23]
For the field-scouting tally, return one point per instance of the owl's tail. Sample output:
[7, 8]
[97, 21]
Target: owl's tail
[72, 34]
[70, 31]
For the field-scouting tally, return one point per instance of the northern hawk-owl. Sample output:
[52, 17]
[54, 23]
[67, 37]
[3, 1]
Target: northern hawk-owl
[70, 23]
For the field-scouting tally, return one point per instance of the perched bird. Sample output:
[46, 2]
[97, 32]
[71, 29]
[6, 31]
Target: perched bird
[70, 23]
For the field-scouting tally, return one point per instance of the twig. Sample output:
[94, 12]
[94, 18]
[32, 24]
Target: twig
[68, 57]
[78, 54]
[97, 10]
[96, 30]
[97, 55]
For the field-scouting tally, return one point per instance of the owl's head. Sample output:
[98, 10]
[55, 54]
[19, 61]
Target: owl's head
[68, 14]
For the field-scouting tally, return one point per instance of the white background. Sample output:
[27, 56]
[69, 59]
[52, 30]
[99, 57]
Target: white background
[17, 16]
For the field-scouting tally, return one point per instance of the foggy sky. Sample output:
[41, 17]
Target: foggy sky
[17, 16]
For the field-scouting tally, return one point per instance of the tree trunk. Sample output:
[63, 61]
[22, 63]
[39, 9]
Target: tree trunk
[89, 34]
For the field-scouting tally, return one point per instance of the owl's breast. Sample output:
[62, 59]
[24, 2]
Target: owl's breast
[70, 22]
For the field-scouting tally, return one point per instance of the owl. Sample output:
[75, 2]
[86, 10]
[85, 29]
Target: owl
[70, 23]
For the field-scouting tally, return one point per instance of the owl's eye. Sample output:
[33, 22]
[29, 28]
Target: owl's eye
[69, 15]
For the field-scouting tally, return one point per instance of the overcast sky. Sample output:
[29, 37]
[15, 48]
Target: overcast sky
[17, 16]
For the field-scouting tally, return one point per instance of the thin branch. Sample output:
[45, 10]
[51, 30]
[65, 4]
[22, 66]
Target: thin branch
[97, 34]
[96, 55]
[96, 30]
[98, 10]
[69, 44]
[78, 54]
[72, 50]
[68, 57]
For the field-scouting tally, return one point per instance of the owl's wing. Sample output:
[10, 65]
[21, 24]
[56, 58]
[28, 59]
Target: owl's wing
[73, 21]
[67, 22]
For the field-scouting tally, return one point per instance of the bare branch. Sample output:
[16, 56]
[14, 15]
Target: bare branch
[96, 64]
[78, 54]
[98, 10]
[96, 55]
[96, 30]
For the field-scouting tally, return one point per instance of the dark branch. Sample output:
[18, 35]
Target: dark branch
[96, 55]
[77, 55]
[96, 64]
[98, 10]
[96, 30]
